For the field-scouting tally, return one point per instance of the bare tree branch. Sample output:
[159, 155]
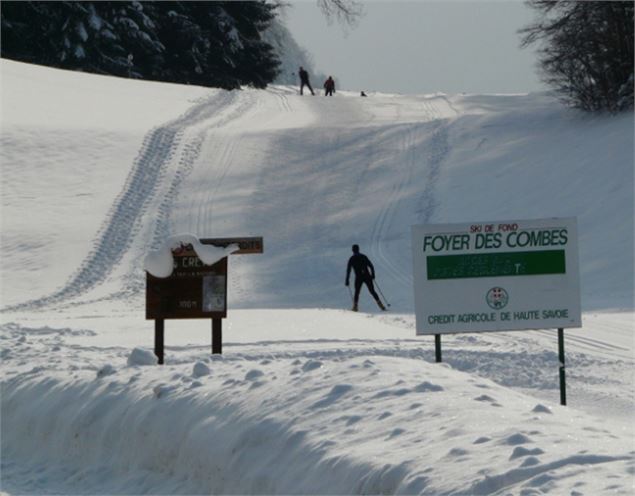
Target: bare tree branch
[585, 51]
[347, 12]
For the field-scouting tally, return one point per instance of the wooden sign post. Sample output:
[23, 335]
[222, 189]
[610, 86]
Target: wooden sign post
[193, 290]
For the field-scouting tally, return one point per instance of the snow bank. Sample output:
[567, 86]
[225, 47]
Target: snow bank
[339, 425]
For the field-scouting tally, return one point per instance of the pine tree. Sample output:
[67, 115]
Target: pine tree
[132, 45]
[205, 43]
[253, 59]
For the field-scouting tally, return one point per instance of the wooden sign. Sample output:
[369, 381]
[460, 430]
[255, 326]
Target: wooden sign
[193, 290]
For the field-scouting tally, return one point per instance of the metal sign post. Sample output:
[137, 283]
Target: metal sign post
[193, 290]
[563, 385]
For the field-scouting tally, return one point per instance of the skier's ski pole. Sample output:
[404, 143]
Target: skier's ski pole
[382, 294]
[350, 293]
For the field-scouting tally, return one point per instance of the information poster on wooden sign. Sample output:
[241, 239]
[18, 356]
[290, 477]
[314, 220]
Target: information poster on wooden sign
[194, 290]
[496, 276]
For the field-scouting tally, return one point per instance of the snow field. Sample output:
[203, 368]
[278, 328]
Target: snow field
[308, 398]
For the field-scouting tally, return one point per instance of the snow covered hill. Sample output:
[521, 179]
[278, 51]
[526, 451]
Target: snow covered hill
[308, 397]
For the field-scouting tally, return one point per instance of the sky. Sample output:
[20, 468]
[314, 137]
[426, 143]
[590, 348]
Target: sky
[422, 46]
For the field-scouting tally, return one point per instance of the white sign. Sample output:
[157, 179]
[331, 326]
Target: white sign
[496, 276]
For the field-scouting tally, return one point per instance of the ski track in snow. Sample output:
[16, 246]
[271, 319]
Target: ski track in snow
[283, 100]
[161, 147]
[230, 111]
[383, 223]
[433, 154]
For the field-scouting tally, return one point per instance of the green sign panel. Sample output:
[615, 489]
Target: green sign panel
[520, 263]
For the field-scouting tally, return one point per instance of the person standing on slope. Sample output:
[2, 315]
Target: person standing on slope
[329, 86]
[364, 274]
[304, 80]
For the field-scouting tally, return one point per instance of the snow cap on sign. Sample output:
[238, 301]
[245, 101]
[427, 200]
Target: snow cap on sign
[160, 263]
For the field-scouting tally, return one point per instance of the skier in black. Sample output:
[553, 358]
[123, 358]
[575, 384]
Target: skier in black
[329, 86]
[304, 80]
[364, 274]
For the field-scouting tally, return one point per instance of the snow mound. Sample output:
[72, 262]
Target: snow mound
[200, 370]
[139, 356]
[106, 370]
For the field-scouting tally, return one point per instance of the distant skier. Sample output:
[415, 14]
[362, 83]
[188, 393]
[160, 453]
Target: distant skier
[304, 80]
[364, 274]
[363, 94]
[329, 86]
